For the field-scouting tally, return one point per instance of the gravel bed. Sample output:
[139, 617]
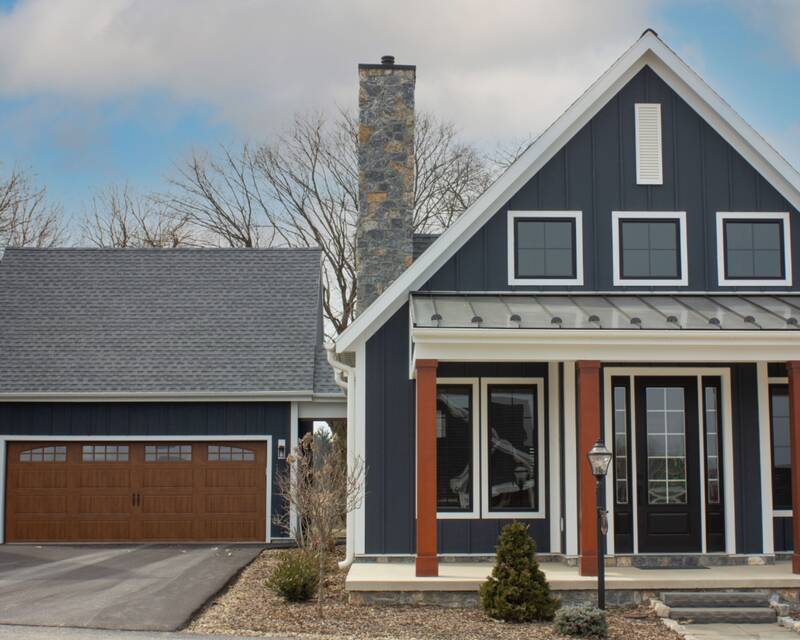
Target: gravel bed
[247, 607]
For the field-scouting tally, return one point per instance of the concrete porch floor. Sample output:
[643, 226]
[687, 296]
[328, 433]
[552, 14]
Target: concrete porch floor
[468, 576]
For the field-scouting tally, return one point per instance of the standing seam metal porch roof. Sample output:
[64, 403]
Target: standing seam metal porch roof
[165, 321]
[629, 312]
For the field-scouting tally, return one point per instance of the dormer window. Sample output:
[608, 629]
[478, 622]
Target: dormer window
[753, 249]
[649, 248]
[545, 248]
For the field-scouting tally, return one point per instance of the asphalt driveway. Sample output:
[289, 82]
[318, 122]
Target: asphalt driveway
[141, 587]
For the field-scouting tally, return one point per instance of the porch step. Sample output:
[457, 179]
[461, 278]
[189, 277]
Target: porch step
[715, 599]
[731, 615]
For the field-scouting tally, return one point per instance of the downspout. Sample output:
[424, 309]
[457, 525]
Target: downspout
[345, 378]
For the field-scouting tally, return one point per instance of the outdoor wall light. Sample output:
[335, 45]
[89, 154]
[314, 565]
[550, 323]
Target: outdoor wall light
[599, 460]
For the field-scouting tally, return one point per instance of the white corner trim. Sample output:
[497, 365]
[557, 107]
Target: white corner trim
[722, 277]
[360, 411]
[294, 431]
[765, 459]
[648, 50]
[475, 513]
[486, 512]
[554, 455]
[649, 153]
[577, 216]
[140, 438]
[616, 248]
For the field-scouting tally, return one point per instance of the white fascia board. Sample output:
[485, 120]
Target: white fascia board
[648, 50]
[322, 410]
[267, 396]
[523, 345]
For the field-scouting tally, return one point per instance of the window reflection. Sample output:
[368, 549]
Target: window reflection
[454, 448]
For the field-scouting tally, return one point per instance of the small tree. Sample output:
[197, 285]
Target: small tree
[320, 491]
[517, 590]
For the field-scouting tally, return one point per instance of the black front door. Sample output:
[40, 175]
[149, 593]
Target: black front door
[668, 501]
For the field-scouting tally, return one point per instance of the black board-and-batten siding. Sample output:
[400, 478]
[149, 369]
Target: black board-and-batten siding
[595, 172]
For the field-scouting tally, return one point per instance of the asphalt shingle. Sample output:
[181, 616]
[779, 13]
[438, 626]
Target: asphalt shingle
[153, 320]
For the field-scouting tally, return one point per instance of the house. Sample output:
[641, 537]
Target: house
[153, 395]
[631, 278]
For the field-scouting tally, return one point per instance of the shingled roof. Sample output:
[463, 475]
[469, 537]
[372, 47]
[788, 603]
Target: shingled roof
[162, 321]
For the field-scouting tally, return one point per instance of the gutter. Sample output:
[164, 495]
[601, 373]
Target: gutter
[345, 378]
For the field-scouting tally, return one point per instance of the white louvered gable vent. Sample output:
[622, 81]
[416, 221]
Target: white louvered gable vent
[648, 144]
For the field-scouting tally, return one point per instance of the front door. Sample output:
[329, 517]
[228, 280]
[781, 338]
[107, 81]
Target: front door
[668, 501]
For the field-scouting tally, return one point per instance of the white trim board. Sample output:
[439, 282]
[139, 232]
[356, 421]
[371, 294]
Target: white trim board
[616, 248]
[722, 277]
[95, 438]
[649, 50]
[577, 247]
[167, 396]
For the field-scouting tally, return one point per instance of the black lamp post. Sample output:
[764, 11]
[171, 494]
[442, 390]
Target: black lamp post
[600, 459]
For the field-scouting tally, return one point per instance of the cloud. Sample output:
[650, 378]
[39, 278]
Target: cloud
[496, 69]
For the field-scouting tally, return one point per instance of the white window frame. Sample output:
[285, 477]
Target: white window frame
[577, 216]
[618, 216]
[784, 217]
[475, 513]
[486, 512]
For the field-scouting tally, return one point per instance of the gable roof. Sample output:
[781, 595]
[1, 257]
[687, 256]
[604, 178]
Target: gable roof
[650, 51]
[162, 323]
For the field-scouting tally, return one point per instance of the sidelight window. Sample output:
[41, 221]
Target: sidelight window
[711, 418]
[781, 449]
[621, 445]
[456, 447]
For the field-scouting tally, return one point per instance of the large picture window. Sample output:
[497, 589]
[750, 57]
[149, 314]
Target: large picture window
[781, 450]
[545, 247]
[455, 448]
[753, 249]
[649, 249]
[512, 443]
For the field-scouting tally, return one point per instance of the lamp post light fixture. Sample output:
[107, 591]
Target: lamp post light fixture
[600, 459]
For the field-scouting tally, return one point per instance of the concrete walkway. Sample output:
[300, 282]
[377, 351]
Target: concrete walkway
[61, 633]
[735, 632]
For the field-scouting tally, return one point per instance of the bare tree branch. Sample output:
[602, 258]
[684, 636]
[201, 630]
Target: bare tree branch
[27, 219]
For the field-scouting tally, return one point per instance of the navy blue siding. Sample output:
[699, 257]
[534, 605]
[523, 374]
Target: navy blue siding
[782, 528]
[390, 438]
[153, 419]
[595, 172]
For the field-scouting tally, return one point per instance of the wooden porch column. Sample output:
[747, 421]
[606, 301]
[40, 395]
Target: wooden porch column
[793, 369]
[427, 563]
[588, 434]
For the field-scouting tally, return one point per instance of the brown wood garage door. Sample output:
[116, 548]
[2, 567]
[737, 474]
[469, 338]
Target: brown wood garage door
[125, 491]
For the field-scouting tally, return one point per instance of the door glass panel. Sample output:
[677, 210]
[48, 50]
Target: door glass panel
[711, 416]
[621, 444]
[512, 448]
[666, 445]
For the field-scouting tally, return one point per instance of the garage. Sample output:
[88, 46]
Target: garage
[136, 491]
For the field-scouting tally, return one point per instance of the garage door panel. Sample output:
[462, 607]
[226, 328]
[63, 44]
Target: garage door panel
[136, 491]
[168, 504]
[104, 478]
[104, 504]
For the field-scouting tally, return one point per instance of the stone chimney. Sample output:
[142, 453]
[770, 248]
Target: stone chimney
[384, 232]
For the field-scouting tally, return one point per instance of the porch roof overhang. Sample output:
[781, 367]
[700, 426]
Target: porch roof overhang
[678, 327]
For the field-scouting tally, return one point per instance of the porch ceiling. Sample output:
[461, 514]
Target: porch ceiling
[626, 312]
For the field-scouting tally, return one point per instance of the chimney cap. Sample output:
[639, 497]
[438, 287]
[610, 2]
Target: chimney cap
[387, 60]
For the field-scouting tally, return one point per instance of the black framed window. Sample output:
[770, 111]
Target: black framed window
[712, 424]
[781, 450]
[454, 448]
[649, 249]
[545, 248]
[512, 448]
[754, 249]
[621, 455]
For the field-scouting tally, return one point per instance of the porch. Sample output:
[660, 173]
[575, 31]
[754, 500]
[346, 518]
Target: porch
[683, 388]
[458, 582]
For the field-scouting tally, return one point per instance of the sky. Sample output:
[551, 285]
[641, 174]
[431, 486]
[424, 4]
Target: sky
[95, 92]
